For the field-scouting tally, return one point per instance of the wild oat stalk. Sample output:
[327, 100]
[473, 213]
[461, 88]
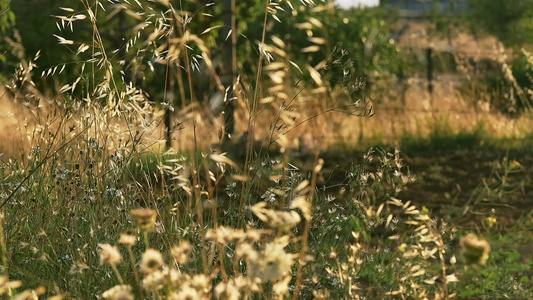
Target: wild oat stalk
[252, 117]
[305, 246]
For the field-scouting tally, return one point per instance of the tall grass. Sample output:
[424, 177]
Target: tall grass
[97, 207]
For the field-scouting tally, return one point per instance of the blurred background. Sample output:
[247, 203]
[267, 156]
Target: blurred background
[420, 64]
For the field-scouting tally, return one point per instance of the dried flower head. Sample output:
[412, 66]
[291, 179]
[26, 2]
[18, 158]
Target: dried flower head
[173, 277]
[281, 287]
[201, 283]
[276, 219]
[246, 251]
[109, 255]
[253, 235]
[154, 281]
[272, 263]
[181, 252]
[127, 240]
[321, 294]
[225, 235]
[78, 268]
[475, 251]
[152, 261]
[227, 290]
[119, 292]
[144, 217]
[187, 292]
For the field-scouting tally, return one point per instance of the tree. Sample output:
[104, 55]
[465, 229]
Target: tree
[509, 20]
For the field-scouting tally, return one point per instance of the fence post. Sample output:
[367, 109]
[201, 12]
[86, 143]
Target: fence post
[429, 56]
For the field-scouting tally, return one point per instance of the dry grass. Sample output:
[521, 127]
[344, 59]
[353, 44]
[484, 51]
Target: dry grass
[417, 116]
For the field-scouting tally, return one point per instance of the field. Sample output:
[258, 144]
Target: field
[327, 188]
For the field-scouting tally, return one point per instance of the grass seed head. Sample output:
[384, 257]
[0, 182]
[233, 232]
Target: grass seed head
[6, 285]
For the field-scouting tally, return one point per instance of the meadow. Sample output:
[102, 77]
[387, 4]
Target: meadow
[328, 188]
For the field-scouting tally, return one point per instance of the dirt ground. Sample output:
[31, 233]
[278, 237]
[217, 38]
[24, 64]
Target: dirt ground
[464, 186]
[448, 182]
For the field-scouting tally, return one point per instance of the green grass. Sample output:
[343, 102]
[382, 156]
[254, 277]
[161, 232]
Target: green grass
[508, 270]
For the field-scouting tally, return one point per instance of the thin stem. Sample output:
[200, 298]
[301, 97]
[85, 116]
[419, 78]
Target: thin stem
[48, 155]
[305, 246]
[251, 120]
[3, 247]
[133, 265]
[145, 237]
[117, 273]
[198, 200]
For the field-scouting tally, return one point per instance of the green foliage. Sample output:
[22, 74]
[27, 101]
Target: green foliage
[498, 187]
[339, 42]
[509, 86]
[507, 272]
[7, 21]
[355, 42]
[7, 17]
[510, 21]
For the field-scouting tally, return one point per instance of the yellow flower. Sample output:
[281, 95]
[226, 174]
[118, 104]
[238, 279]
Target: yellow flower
[109, 255]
